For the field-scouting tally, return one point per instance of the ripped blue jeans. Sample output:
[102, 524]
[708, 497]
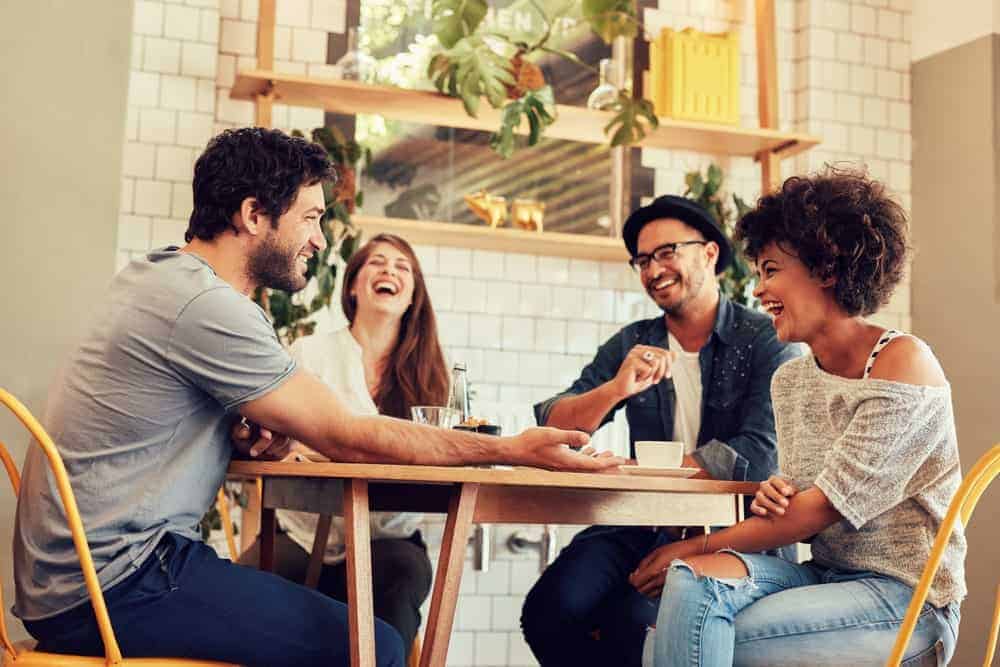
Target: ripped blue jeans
[791, 614]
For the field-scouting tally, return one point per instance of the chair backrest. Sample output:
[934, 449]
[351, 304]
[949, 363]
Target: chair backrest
[15, 482]
[978, 478]
[11, 467]
[111, 651]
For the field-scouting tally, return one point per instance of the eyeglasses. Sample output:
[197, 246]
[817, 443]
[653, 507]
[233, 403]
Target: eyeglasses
[660, 255]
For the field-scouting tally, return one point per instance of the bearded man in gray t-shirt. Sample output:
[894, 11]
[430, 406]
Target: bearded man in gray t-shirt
[142, 418]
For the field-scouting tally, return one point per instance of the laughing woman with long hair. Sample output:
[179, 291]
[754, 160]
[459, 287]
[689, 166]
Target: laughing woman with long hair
[385, 361]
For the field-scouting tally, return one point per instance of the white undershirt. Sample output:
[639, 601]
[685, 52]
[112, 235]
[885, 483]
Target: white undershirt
[336, 359]
[686, 373]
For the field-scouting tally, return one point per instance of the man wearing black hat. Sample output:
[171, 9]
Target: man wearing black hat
[701, 374]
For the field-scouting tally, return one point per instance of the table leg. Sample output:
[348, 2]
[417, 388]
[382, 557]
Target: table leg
[268, 526]
[318, 550]
[448, 577]
[360, 605]
[250, 516]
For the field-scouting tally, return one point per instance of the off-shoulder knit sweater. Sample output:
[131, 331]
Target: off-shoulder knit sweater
[886, 456]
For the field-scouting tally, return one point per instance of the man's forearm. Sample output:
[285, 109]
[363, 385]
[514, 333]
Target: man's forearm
[388, 440]
[584, 412]
[305, 409]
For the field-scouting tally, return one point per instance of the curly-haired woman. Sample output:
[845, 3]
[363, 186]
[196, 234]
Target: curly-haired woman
[867, 450]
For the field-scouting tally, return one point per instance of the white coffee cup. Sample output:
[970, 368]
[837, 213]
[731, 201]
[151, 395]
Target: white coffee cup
[659, 453]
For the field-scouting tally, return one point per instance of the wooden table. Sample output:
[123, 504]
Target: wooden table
[467, 495]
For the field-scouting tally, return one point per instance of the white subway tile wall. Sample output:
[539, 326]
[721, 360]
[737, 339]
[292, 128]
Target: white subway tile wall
[524, 325]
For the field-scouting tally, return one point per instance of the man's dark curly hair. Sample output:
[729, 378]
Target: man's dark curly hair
[842, 225]
[254, 162]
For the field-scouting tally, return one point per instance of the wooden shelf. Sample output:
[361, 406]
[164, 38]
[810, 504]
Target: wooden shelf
[573, 123]
[504, 239]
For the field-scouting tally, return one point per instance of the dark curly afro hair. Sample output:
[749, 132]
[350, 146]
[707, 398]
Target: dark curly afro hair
[267, 165]
[842, 225]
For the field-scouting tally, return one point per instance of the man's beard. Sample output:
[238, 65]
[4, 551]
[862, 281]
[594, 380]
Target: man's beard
[275, 267]
[690, 286]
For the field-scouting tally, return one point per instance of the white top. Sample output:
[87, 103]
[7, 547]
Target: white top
[686, 374]
[336, 359]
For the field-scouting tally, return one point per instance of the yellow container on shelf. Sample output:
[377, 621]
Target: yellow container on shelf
[695, 75]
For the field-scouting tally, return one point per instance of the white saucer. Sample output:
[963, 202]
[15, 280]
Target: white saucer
[659, 471]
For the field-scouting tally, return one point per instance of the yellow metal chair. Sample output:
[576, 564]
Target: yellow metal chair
[972, 487]
[24, 657]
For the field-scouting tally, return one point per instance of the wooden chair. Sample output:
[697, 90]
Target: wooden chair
[24, 655]
[972, 487]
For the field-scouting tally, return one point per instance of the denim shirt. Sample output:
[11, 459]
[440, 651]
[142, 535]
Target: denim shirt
[736, 440]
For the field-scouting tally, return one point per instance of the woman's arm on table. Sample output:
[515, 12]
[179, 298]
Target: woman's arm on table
[806, 514]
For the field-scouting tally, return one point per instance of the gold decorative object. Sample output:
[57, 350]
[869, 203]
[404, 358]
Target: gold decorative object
[491, 208]
[528, 213]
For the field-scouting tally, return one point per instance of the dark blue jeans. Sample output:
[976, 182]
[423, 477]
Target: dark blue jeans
[186, 602]
[583, 610]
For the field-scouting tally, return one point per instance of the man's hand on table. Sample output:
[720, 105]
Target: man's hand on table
[547, 448]
[257, 442]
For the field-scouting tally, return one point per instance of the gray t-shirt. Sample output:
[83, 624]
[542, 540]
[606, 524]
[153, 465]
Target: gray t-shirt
[141, 417]
[886, 456]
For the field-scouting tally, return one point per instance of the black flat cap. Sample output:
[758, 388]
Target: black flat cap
[685, 210]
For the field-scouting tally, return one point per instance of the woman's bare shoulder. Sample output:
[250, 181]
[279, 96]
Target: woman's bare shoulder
[909, 360]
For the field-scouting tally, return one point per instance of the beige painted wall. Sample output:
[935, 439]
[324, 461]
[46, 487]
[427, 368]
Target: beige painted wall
[956, 226]
[62, 123]
[938, 27]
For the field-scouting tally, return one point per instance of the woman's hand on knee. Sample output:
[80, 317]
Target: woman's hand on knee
[772, 496]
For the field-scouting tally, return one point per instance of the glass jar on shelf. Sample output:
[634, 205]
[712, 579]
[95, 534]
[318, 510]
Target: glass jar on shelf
[605, 94]
[355, 64]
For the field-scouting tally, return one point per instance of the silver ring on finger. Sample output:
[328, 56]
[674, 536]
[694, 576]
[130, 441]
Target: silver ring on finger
[647, 355]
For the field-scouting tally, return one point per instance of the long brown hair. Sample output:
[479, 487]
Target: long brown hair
[415, 373]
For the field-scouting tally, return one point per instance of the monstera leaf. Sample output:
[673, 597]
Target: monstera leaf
[611, 18]
[631, 118]
[470, 71]
[537, 107]
[455, 19]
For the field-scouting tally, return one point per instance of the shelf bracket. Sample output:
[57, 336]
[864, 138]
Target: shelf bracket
[263, 103]
[770, 171]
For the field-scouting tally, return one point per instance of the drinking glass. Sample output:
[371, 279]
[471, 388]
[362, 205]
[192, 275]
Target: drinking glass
[435, 415]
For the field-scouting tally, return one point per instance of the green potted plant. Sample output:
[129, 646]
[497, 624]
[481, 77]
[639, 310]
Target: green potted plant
[478, 63]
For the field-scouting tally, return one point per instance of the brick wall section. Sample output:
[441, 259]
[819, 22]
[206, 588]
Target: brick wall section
[171, 116]
[525, 325]
[852, 88]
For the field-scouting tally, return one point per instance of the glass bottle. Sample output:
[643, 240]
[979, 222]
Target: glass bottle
[355, 64]
[458, 395]
[605, 94]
